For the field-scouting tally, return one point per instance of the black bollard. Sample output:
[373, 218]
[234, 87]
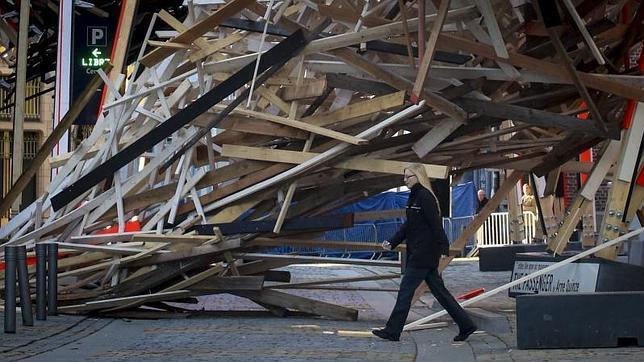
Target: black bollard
[41, 282]
[23, 283]
[10, 289]
[52, 279]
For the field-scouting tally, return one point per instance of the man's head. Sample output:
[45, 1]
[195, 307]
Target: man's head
[410, 178]
[481, 195]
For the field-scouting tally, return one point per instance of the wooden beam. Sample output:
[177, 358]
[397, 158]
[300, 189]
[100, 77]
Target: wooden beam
[252, 125]
[423, 69]
[228, 283]
[400, 83]
[122, 38]
[435, 136]
[18, 136]
[534, 117]
[303, 126]
[311, 89]
[356, 163]
[333, 281]
[358, 109]
[284, 300]
[595, 81]
[195, 31]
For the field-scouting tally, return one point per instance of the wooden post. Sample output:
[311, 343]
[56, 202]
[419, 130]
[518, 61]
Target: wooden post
[428, 53]
[517, 223]
[119, 53]
[587, 193]
[19, 110]
[622, 202]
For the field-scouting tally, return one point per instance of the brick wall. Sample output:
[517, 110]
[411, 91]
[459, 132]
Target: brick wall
[572, 187]
[601, 197]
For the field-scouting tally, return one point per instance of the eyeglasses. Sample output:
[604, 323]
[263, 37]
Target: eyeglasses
[405, 177]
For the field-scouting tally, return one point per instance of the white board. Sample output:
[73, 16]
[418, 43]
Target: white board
[571, 278]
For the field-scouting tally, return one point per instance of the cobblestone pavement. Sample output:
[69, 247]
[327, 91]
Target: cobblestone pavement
[45, 336]
[260, 337]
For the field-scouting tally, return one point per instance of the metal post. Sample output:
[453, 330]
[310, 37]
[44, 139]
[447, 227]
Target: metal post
[41, 282]
[52, 279]
[23, 282]
[10, 289]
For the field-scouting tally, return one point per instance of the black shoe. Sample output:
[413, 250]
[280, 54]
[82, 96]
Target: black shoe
[464, 334]
[385, 335]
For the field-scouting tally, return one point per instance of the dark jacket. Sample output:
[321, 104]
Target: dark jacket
[423, 230]
[481, 204]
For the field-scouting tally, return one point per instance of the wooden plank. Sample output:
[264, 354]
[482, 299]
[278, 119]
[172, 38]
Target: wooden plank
[304, 126]
[17, 150]
[119, 53]
[355, 163]
[210, 48]
[272, 297]
[118, 250]
[492, 27]
[632, 148]
[332, 281]
[423, 69]
[193, 239]
[197, 30]
[534, 117]
[184, 284]
[311, 89]
[130, 301]
[600, 169]
[597, 117]
[228, 283]
[400, 83]
[358, 109]
[595, 81]
[435, 136]
[190, 254]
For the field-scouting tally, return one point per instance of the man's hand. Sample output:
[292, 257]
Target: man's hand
[386, 245]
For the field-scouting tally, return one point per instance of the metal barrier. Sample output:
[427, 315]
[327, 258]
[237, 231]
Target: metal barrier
[457, 225]
[496, 229]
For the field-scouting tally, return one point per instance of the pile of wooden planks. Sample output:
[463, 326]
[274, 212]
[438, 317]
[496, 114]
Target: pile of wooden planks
[231, 122]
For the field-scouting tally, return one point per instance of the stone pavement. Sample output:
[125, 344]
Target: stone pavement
[256, 335]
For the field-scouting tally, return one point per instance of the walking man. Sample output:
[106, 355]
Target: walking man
[426, 242]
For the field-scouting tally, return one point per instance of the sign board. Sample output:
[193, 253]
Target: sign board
[571, 278]
[93, 39]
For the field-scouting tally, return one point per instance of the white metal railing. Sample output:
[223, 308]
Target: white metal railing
[496, 229]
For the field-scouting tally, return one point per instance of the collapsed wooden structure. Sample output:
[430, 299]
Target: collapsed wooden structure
[229, 118]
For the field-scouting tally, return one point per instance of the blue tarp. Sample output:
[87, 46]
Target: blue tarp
[382, 201]
[464, 200]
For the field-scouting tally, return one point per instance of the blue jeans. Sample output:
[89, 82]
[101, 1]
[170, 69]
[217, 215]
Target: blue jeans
[410, 281]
